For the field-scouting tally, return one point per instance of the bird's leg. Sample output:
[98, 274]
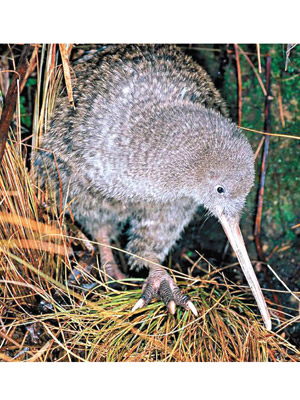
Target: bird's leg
[108, 263]
[160, 285]
[152, 233]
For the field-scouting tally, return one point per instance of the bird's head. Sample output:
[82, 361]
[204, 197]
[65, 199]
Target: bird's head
[227, 168]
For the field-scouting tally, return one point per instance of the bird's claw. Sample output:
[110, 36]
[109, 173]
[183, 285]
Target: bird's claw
[139, 304]
[160, 285]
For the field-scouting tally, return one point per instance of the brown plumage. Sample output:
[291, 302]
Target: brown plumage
[148, 143]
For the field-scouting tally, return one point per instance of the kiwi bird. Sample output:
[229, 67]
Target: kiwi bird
[147, 143]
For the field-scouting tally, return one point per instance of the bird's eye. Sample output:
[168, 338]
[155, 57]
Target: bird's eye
[220, 189]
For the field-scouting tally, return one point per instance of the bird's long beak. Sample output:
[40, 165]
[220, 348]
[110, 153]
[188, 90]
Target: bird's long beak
[233, 232]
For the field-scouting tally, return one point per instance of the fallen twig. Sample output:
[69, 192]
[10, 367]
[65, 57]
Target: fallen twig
[257, 229]
[280, 104]
[290, 46]
[254, 70]
[258, 57]
[239, 78]
[11, 98]
[270, 134]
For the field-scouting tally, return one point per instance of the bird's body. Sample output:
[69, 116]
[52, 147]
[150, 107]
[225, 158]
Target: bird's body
[147, 143]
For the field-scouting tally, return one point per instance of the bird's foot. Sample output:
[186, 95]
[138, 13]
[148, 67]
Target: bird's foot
[160, 285]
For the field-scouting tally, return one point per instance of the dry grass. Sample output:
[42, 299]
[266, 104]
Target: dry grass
[45, 318]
